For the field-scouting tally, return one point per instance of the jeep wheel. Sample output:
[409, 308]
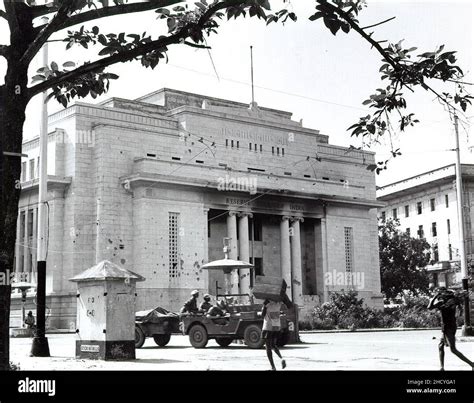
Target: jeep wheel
[224, 341]
[198, 336]
[252, 336]
[139, 337]
[283, 339]
[162, 339]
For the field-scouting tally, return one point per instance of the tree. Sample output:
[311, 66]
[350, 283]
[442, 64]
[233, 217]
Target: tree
[402, 261]
[186, 26]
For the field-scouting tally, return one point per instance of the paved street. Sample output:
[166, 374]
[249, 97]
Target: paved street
[396, 350]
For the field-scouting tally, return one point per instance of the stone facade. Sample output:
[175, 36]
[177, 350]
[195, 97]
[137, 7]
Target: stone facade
[155, 184]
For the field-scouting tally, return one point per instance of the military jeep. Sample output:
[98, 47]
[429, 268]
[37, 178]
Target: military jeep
[241, 322]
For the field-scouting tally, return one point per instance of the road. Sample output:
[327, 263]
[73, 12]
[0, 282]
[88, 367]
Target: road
[395, 350]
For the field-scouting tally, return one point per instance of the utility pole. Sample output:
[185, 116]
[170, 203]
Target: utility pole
[467, 329]
[253, 104]
[40, 346]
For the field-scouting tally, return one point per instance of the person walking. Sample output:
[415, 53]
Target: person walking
[271, 329]
[446, 301]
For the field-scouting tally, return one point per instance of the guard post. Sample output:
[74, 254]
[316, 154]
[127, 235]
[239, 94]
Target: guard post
[106, 296]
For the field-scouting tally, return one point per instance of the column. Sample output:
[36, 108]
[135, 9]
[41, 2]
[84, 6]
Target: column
[18, 243]
[232, 234]
[296, 269]
[34, 241]
[324, 241]
[244, 248]
[26, 249]
[285, 253]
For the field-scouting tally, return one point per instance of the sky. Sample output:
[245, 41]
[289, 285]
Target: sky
[301, 67]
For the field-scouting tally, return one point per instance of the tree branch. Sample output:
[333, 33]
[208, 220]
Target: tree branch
[3, 50]
[379, 23]
[115, 10]
[3, 14]
[107, 61]
[43, 35]
[128, 55]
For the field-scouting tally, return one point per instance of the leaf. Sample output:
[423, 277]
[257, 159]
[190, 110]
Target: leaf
[332, 24]
[95, 30]
[69, 64]
[200, 6]
[54, 66]
[38, 77]
[171, 22]
[314, 17]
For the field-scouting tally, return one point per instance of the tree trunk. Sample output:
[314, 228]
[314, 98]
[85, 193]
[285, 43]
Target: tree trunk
[13, 101]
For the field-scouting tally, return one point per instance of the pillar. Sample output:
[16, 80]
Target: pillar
[244, 249]
[324, 241]
[296, 269]
[26, 249]
[285, 253]
[18, 243]
[233, 253]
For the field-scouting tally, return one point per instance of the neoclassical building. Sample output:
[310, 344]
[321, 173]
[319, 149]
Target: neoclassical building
[158, 184]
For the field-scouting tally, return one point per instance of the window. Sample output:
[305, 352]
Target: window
[261, 148]
[407, 211]
[22, 226]
[278, 150]
[255, 147]
[258, 262]
[38, 167]
[448, 222]
[435, 253]
[30, 224]
[434, 230]
[273, 150]
[173, 220]
[227, 142]
[394, 213]
[419, 207]
[32, 169]
[232, 143]
[446, 200]
[23, 171]
[383, 216]
[257, 229]
[432, 204]
[250, 146]
[421, 233]
[450, 251]
[282, 151]
[407, 231]
[238, 144]
[349, 248]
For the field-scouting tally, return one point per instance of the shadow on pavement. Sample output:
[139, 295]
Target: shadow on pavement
[155, 361]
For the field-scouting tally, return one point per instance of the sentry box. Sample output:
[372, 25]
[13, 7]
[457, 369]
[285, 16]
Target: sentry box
[106, 295]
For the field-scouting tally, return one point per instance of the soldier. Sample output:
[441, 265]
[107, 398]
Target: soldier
[190, 306]
[446, 301]
[205, 305]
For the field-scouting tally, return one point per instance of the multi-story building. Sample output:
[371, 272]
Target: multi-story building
[156, 184]
[426, 206]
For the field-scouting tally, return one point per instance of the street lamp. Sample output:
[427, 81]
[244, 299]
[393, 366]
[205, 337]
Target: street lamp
[40, 346]
[23, 287]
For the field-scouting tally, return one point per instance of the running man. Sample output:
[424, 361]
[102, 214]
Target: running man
[271, 329]
[447, 302]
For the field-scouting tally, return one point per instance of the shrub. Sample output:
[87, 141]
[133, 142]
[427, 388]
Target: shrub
[345, 310]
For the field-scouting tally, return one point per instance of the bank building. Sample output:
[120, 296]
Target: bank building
[158, 183]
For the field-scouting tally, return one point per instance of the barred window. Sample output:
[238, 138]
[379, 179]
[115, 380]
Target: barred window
[173, 219]
[349, 248]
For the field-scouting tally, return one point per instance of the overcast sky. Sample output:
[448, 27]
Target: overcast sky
[301, 67]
